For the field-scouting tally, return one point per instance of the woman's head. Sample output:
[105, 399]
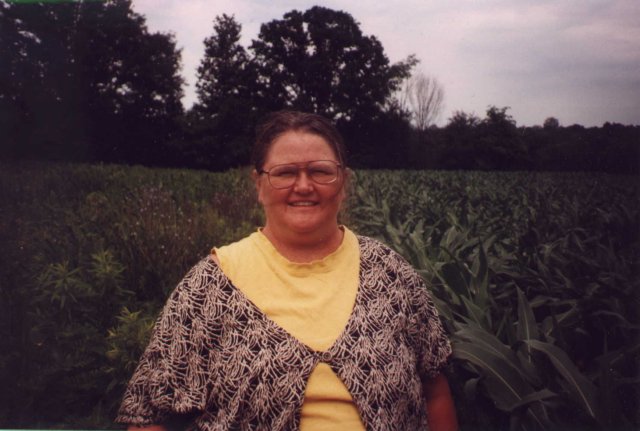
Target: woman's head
[277, 123]
[299, 175]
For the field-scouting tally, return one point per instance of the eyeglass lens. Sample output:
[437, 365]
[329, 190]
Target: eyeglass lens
[320, 171]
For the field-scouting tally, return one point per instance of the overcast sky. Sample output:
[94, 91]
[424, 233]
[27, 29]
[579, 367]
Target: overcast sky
[576, 60]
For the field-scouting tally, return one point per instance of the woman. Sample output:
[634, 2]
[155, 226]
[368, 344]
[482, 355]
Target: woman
[302, 324]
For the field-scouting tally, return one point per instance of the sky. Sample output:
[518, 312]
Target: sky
[575, 60]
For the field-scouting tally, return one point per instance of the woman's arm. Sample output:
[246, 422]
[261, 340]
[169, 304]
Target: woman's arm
[441, 413]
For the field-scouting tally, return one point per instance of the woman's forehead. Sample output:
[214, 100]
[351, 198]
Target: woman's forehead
[299, 146]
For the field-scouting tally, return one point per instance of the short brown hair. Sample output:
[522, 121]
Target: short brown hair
[279, 122]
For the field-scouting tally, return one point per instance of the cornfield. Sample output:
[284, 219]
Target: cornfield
[536, 277]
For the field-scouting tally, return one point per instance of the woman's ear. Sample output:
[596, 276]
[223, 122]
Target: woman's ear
[348, 173]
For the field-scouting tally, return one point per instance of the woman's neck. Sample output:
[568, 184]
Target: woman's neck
[305, 248]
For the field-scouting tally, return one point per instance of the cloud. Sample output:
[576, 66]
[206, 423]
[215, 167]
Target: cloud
[578, 61]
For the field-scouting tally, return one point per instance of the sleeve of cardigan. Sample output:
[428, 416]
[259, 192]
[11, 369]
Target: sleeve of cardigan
[171, 376]
[433, 348]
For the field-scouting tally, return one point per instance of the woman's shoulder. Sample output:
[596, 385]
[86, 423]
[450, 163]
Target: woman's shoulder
[205, 267]
[367, 241]
[376, 254]
[198, 281]
[374, 249]
[240, 245]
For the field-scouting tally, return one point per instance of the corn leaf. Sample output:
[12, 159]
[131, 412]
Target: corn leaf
[505, 385]
[582, 389]
[527, 327]
[487, 340]
[452, 275]
[474, 312]
[541, 395]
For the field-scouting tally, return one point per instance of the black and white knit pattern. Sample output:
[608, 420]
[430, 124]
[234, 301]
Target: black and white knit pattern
[214, 353]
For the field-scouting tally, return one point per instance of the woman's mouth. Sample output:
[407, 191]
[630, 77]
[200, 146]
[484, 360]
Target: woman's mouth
[303, 204]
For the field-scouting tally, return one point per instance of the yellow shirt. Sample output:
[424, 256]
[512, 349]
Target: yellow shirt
[313, 302]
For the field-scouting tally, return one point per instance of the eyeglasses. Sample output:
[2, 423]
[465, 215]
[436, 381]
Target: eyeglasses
[319, 171]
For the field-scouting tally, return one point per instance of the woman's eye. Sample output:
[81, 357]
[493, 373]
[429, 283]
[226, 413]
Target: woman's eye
[320, 172]
[290, 172]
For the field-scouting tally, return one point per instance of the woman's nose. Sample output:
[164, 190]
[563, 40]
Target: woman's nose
[303, 181]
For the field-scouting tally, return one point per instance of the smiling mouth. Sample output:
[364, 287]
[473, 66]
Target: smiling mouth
[303, 204]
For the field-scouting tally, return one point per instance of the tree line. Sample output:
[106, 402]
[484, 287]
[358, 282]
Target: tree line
[87, 81]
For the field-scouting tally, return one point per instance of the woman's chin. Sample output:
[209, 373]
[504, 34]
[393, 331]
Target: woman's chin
[304, 224]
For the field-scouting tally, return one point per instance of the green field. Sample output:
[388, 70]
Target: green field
[536, 276]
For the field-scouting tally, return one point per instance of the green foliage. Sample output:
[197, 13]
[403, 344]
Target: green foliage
[536, 277]
[219, 129]
[494, 143]
[320, 61]
[225, 70]
[85, 81]
[126, 342]
[91, 253]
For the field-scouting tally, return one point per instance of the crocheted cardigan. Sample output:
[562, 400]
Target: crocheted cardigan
[215, 355]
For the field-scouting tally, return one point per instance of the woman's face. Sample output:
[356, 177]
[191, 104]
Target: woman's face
[306, 207]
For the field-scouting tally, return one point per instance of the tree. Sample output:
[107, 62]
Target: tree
[225, 71]
[499, 145]
[423, 97]
[219, 128]
[460, 135]
[36, 86]
[462, 121]
[320, 61]
[494, 143]
[551, 123]
[86, 81]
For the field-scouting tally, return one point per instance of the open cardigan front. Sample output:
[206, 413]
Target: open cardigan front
[214, 354]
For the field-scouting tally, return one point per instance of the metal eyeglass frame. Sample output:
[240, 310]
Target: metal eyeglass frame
[299, 167]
